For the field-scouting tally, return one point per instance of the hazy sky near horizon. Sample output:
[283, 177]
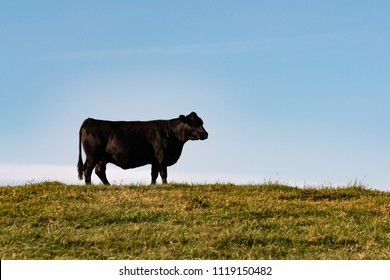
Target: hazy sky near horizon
[296, 91]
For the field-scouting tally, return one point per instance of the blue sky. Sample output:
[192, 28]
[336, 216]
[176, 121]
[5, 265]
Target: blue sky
[296, 91]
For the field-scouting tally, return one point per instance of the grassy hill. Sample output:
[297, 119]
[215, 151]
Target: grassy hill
[51, 220]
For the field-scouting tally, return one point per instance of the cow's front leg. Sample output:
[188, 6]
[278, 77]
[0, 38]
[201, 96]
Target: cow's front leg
[154, 173]
[163, 174]
[159, 166]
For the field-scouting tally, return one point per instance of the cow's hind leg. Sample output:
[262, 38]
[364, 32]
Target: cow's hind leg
[100, 170]
[88, 167]
[154, 173]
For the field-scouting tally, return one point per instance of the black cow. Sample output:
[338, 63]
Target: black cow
[133, 144]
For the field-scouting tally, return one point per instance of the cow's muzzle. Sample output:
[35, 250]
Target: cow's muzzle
[203, 136]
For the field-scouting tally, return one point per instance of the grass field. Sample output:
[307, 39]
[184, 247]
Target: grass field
[51, 220]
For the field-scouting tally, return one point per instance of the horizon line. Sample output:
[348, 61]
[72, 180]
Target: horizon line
[35, 173]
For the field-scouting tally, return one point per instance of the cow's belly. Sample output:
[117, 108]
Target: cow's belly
[130, 158]
[128, 165]
[128, 161]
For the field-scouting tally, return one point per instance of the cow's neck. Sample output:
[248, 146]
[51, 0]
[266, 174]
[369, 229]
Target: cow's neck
[180, 132]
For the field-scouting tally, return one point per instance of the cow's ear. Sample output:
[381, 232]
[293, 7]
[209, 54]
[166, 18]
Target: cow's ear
[183, 118]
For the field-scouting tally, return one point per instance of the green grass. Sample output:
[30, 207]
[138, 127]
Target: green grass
[51, 220]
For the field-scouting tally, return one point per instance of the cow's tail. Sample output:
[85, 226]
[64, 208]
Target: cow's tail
[80, 165]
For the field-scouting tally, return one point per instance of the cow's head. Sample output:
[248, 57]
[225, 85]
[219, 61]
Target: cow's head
[193, 127]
